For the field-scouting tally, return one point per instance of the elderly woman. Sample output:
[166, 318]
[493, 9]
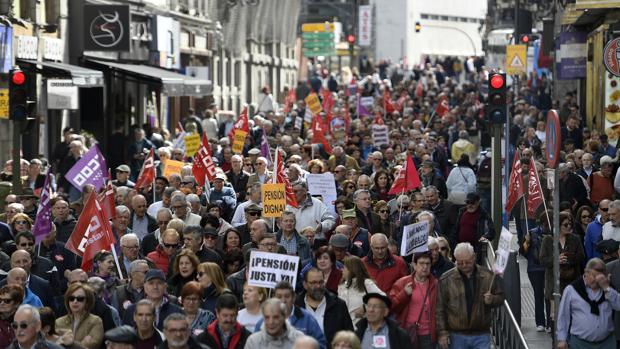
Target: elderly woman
[198, 319]
[346, 340]
[184, 270]
[104, 267]
[20, 222]
[11, 296]
[253, 298]
[316, 166]
[85, 328]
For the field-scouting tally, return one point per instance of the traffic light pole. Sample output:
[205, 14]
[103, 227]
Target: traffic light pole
[496, 181]
[17, 137]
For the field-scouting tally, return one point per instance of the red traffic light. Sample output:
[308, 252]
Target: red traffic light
[497, 81]
[18, 78]
[351, 38]
[525, 39]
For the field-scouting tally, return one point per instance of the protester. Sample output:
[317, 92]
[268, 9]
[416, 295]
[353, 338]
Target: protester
[276, 332]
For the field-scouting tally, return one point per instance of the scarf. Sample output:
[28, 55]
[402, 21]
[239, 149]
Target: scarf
[580, 286]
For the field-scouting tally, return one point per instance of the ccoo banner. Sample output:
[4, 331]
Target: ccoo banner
[267, 269]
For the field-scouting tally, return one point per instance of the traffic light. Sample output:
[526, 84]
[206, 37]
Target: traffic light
[351, 39]
[418, 26]
[496, 105]
[526, 39]
[18, 95]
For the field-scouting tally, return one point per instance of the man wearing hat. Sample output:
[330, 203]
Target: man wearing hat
[376, 330]
[29, 200]
[122, 177]
[473, 225]
[122, 337]
[224, 194]
[155, 291]
[358, 236]
[253, 199]
[251, 213]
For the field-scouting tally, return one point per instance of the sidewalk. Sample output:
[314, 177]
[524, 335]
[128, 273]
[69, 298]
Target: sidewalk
[535, 340]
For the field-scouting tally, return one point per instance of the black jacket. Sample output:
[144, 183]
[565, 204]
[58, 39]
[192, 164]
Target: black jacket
[148, 244]
[445, 214]
[375, 226]
[152, 223]
[336, 318]
[123, 296]
[397, 336]
[235, 283]
[239, 183]
[191, 343]
[442, 266]
[166, 309]
[65, 228]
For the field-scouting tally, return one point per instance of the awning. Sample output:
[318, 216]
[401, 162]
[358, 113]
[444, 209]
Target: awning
[173, 84]
[82, 77]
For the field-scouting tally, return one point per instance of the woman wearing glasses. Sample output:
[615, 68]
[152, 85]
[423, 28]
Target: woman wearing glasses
[79, 324]
[11, 296]
[212, 282]
[20, 223]
[383, 210]
[584, 216]
[198, 319]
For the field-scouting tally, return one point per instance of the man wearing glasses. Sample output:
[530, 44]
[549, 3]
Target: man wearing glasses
[150, 241]
[178, 204]
[252, 212]
[439, 264]
[594, 230]
[170, 242]
[241, 212]
[27, 327]
[261, 175]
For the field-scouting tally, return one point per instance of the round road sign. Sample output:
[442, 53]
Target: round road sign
[553, 140]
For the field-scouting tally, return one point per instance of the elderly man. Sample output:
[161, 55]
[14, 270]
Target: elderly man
[64, 221]
[39, 286]
[376, 330]
[366, 218]
[586, 308]
[225, 332]
[290, 238]
[170, 243]
[122, 337]
[130, 251]
[180, 207]
[444, 210]
[474, 225]
[18, 276]
[140, 222]
[466, 297]
[384, 267]
[611, 229]
[252, 212]
[150, 242]
[340, 158]
[261, 175]
[125, 295]
[311, 212]
[237, 177]
[594, 231]
[58, 254]
[306, 342]
[165, 202]
[224, 194]
[363, 182]
[329, 311]
[193, 239]
[439, 264]
[41, 266]
[254, 197]
[27, 324]
[178, 334]
[144, 317]
[120, 223]
[276, 331]
[122, 177]
[374, 163]
[357, 236]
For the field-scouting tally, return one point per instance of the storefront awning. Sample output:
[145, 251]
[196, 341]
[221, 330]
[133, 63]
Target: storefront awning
[82, 77]
[173, 84]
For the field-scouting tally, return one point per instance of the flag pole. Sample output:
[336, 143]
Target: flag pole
[400, 205]
[118, 266]
[430, 119]
[542, 193]
[153, 187]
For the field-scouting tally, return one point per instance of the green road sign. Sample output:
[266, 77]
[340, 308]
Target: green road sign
[318, 36]
[318, 44]
[319, 52]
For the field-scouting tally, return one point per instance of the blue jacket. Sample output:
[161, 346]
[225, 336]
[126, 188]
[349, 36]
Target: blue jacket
[228, 197]
[594, 234]
[302, 320]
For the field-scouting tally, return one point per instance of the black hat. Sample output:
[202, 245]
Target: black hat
[472, 197]
[163, 179]
[122, 335]
[211, 231]
[607, 246]
[385, 299]
[27, 193]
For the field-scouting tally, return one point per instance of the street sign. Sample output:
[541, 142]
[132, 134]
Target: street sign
[516, 56]
[319, 44]
[553, 139]
[611, 56]
[4, 103]
[318, 27]
[318, 36]
[319, 52]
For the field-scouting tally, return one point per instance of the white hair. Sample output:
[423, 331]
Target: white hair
[130, 236]
[464, 248]
[17, 207]
[36, 317]
[120, 209]
[192, 198]
[432, 241]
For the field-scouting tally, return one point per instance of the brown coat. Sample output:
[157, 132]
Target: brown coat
[452, 306]
[89, 326]
[574, 249]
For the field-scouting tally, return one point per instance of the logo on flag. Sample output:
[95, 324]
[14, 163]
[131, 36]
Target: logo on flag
[147, 173]
[43, 222]
[89, 169]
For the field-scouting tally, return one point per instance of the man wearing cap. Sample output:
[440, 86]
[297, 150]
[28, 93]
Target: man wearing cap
[377, 330]
[341, 244]
[358, 236]
[224, 194]
[122, 177]
[253, 198]
[261, 175]
[252, 212]
[155, 291]
[29, 201]
[429, 176]
[122, 337]
[473, 225]
[237, 177]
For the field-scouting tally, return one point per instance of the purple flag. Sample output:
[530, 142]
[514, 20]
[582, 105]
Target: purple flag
[264, 150]
[361, 109]
[89, 169]
[43, 222]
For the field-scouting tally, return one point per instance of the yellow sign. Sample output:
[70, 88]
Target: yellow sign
[313, 103]
[516, 59]
[4, 103]
[192, 144]
[172, 167]
[238, 141]
[274, 199]
[318, 27]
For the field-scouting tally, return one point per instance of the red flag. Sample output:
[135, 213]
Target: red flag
[281, 177]
[106, 200]
[328, 100]
[241, 124]
[534, 191]
[419, 89]
[407, 179]
[92, 233]
[203, 166]
[289, 101]
[515, 184]
[317, 133]
[387, 101]
[443, 107]
[147, 173]
[400, 102]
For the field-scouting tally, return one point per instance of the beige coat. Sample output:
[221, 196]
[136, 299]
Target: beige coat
[91, 326]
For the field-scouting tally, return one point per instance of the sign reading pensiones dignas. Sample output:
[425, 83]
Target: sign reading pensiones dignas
[267, 269]
[62, 94]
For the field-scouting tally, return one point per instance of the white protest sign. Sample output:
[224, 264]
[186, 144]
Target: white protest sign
[415, 238]
[323, 184]
[503, 251]
[368, 102]
[380, 135]
[267, 269]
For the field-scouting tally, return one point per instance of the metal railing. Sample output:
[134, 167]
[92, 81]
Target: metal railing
[505, 329]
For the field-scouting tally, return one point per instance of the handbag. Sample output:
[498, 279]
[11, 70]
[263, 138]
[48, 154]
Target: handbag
[412, 330]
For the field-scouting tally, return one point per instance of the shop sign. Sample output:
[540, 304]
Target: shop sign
[62, 94]
[107, 28]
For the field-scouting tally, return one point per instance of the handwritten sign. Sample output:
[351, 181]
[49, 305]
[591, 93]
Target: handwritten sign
[415, 238]
[267, 269]
[503, 251]
[313, 103]
[238, 141]
[192, 143]
[172, 167]
[274, 199]
[380, 135]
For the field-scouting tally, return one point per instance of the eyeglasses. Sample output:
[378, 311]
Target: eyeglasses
[248, 164]
[21, 222]
[351, 187]
[604, 209]
[383, 211]
[586, 216]
[254, 213]
[567, 225]
[443, 248]
[171, 245]
[135, 247]
[21, 325]
[6, 300]
[79, 299]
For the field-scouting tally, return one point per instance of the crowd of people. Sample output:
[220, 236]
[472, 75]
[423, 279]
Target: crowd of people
[178, 275]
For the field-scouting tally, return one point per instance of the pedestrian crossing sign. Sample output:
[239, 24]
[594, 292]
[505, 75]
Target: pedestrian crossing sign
[516, 56]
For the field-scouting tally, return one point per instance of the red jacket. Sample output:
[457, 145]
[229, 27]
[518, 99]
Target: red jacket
[386, 274]
[160, 258]
[401, 301]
